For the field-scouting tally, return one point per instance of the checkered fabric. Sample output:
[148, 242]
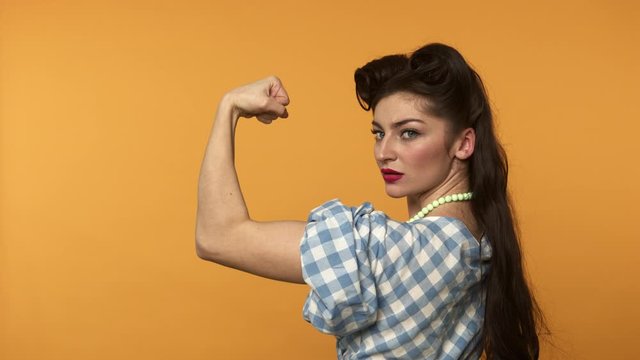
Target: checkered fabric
[394, 290]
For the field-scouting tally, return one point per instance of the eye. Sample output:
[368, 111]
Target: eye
[409, 134]
[378, 134]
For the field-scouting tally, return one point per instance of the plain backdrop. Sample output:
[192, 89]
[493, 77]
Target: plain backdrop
[106, 109]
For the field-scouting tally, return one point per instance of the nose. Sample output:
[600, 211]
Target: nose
[384, 151]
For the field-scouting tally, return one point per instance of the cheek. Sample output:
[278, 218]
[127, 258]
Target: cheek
[424, 155]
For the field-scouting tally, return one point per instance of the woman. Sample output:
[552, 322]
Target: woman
[449, 285]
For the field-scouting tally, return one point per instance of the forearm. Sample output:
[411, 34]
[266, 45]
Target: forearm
[221, 205]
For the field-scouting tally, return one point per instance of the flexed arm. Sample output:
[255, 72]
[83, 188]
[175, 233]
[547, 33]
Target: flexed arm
[225, 233]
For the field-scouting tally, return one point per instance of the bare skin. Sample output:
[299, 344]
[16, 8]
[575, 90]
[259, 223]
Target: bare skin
[433, 167]
[225, 233]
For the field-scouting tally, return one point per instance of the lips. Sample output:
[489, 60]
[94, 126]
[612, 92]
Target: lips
[390, 171]
[390, 175]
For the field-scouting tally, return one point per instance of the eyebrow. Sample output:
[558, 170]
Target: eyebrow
[398, 123]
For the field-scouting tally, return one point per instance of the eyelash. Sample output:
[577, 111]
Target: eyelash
[376, 132]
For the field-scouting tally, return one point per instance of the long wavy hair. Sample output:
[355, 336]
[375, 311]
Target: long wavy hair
[454, 91]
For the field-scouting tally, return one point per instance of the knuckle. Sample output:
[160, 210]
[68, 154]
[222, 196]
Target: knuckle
[264, 103]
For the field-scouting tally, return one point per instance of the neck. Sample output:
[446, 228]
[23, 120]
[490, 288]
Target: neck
[457, 182]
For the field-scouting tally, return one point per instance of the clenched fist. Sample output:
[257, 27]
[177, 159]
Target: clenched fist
[265, 99]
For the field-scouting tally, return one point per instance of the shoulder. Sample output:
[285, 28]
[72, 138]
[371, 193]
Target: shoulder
[444, 227]
[338, 254]
[336, 208]
[335, 225]
[352, 256]
[339, 217]
[451, 234]
[334, 213]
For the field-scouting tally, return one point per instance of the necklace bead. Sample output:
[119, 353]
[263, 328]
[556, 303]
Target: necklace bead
[445, 199]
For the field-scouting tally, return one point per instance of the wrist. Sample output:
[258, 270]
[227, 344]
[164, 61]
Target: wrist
[227, 106]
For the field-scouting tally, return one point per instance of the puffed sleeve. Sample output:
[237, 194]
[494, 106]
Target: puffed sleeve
[338, 255]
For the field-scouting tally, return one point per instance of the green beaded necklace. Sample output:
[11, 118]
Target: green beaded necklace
[445, 199]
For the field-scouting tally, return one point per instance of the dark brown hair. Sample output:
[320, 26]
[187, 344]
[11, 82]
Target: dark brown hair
[454, 91]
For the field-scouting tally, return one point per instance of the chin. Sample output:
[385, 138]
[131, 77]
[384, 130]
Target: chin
[395, 193]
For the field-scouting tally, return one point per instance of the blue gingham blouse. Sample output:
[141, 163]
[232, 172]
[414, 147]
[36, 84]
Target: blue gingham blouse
[393, 290]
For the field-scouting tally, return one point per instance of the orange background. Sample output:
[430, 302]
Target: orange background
[106, 108]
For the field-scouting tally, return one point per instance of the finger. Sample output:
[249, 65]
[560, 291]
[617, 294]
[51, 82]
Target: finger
[273, 107]
[266, 118]
[278, 92]
[282, 96]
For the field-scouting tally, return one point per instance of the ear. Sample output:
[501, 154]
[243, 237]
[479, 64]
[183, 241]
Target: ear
[466, 144]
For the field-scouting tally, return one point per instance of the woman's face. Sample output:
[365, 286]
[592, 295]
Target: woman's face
[412, 143]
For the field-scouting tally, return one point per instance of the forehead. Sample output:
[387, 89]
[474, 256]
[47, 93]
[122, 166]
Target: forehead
[401, 106]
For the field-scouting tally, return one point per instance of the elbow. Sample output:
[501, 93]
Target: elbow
[202, 250]
[205, 239]
[206, 248]
[213, 241]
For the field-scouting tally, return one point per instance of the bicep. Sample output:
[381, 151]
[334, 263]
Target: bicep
[269, 249]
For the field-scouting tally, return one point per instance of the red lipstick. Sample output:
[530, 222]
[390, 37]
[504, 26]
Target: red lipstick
[391, 175]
